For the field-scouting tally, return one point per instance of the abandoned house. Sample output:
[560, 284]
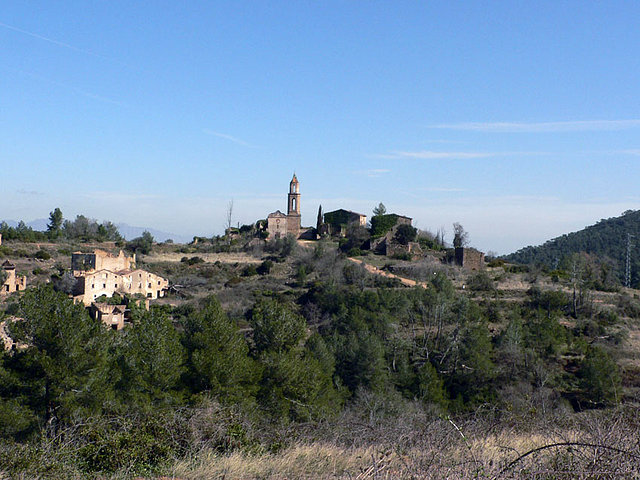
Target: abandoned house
[337, 222]
[13, 282]
[469, 258]
[101, 273]
[101, 260]
[384, 228]
[112, 316]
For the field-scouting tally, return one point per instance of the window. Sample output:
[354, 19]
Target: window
[104, 285]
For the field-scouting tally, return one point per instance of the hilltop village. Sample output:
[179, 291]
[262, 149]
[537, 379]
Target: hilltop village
[360, 328]
[384, 238]
[105, 283]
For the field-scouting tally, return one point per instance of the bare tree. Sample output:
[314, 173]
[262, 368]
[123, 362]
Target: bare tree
[229, 222]
[460, 236]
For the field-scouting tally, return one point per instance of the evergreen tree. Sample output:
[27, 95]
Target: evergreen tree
[151, 360]
[218, 355]
[63, 371]
[55, 223]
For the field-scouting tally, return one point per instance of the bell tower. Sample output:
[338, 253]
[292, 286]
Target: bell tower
[293, 207]
[294, 197]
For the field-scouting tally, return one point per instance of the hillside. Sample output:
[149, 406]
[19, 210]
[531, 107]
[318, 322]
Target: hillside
[606, 239]
[284, 358]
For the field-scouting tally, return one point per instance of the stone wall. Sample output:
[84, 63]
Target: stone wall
[101, 260]
[469, 258]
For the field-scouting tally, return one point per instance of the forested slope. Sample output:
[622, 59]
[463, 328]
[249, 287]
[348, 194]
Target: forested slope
[606, 239]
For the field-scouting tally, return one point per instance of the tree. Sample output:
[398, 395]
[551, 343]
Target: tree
[275, 327]
[319, 220]
[63, 373]
[142, 244]
[297, 378]
[600, 377]
[151, 360]
[405, 234]
[460, 236]
[379, 210]
[229, 217]
[218, 355]
[55, 223]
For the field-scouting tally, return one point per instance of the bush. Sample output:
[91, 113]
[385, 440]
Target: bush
[249, 271]
[481, 282]
[265, 267]
[600, 378]
[405, 234]
[42, 255]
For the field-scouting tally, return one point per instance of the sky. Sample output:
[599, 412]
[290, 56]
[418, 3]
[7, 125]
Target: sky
[519, 120]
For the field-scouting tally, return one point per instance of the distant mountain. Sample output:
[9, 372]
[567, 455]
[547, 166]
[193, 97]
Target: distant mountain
[129, 232]
[39, 224]
[606, 239]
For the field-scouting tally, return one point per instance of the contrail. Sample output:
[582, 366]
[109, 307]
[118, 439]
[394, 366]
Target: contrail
[51, 40]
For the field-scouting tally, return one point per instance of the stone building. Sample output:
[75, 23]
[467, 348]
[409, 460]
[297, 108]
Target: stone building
[281, 225]
[469, 258]
[101, 260]
[387, 226]
[117, 274]
[336, 222]
[13, 282]
[112, 316]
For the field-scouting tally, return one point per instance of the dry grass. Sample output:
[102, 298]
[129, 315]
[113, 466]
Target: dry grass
[231, 258]
[571, 448]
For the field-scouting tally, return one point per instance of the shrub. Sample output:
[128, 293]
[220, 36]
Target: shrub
[249, 271]
[265, 267]
[42, 255]
[405, 234]
[481, 282]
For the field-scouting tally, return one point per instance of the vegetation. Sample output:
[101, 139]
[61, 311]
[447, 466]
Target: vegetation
[287, 359]
[606, 240]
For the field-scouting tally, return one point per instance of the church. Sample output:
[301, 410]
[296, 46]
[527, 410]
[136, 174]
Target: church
[281, 225]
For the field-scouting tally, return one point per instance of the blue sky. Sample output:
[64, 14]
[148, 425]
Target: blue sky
[520, 120]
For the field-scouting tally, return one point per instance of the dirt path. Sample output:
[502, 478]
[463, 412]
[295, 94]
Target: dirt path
[4, 338]
[376, 271]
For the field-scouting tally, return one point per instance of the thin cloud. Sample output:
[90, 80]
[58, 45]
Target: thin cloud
[431, 155]
[634, 152]
[28, 192]
[373, 173]
[443, 189]
[228, 137]
[120, 196]
[50, 40]
[78, 91]
[538, 127]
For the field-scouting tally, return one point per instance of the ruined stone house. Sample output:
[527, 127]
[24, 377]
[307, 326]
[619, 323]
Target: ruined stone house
[113, 316]
[13, 282]
[337, 222]
[469, 258]
[100, 273]
[386, 243]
